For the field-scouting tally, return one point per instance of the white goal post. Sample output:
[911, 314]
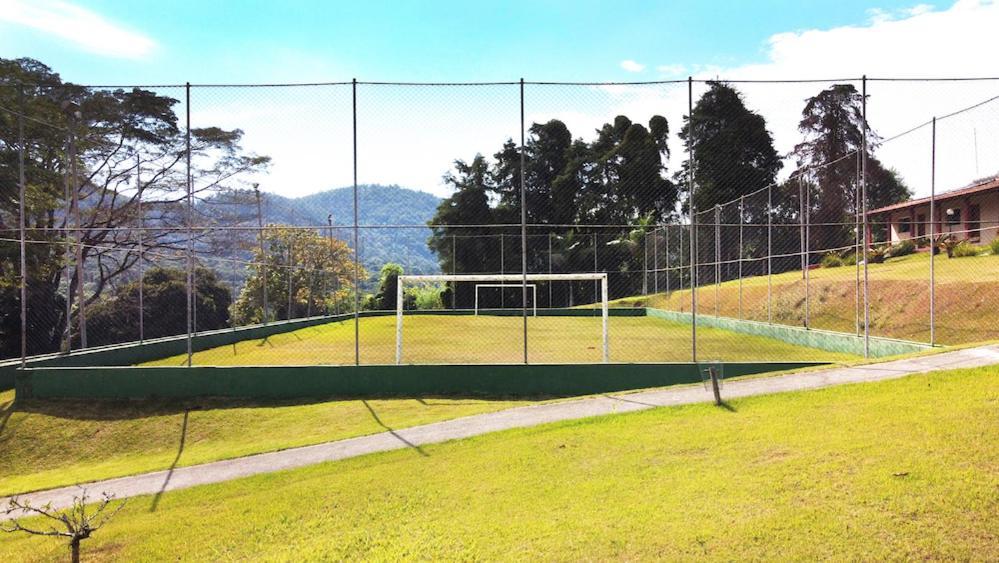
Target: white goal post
[510, 279]
[533, 287]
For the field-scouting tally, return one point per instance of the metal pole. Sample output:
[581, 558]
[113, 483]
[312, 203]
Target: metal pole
[454, 261]
[21, 222]
[190, 208]
[549, 270]
[693, 219]
[69, 248]
[867, 242]
[357, 257]
[80, 270]
[398, 320]
[856, 245]
[742, 208]
[263, 255]
[645, 264]
[717, 255]
[336, 309]
[770, 252]
[666, 243]
[523, 221]
[142, 228]
[595, 269]
[655, 262]
[933, 234]
[502, 271]
[808, 252]
[603, 317]
[291, 303]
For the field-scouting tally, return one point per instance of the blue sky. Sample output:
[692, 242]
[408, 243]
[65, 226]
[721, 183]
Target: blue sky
[216, 41]
[411, 136]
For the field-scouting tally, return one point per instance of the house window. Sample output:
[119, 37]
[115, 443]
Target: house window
[921, 225]
[905, 225]
[953, 216]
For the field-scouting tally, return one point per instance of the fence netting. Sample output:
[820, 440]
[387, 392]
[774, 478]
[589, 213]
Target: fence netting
[269, 225]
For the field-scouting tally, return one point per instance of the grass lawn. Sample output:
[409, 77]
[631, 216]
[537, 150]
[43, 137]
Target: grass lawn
[967, 296]
[904, 469]
[55, 443]
[493, 339]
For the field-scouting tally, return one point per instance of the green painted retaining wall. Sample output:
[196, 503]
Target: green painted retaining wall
[283, 382]
[812, 338]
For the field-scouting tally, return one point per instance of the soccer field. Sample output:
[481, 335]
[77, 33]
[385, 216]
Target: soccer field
[450, 339]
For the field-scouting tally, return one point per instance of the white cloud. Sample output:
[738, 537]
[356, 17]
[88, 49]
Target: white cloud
[84, 28]
[632, 66]
[672, 70]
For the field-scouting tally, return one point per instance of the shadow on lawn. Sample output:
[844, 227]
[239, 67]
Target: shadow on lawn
[173, 466]
[392, 431]
[125, 409]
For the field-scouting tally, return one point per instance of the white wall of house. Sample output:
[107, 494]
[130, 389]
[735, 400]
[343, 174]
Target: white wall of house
[910, 222]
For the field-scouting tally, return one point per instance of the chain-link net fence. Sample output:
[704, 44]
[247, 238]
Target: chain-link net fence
[269, 225]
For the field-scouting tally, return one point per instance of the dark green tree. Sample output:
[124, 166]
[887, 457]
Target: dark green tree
[116, 132]
[733, 152]
[116, 317]
[388, 285]
[828, 159]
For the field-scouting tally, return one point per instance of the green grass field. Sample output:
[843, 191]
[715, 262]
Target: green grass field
[967, 297]
[904, 469]
[495, 339]
[54, 443]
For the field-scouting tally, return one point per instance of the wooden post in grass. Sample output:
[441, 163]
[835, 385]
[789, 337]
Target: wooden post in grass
[714, 385]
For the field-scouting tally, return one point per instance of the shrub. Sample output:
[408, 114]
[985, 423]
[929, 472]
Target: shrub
[831, 260]
[903, 248]
[965, 249]
[877, 254]
[994, 246]
[850, 259]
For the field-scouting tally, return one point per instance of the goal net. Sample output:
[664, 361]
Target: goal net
[524, 302]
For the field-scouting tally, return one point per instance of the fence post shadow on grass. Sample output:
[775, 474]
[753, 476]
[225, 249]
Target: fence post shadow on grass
[392, 431]
[173, 466]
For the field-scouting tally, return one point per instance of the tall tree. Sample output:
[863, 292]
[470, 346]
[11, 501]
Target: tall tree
[828, 159]
[313, 262]
[733, 152]
[115, 318]
[116, 134]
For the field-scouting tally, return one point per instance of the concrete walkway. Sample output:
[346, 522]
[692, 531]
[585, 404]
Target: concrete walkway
[417, 436]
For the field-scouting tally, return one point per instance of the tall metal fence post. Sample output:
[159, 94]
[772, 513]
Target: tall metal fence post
[81, 306]
[550, 270]
[693, 219]
[655, 261]
[142, 228]
[291, 272]
[190, 217]
[595, 267]
[770, 253]
[867, 234]
[357, 255]
[856, 246]
[22, 189]
[933, 233]
[523, 221]
[666, 244]
[68, 253]
[502, 270]
[717, 257]
[808, 253]
[742, 201]
[454, 267]
[263, 254]
[645, 263]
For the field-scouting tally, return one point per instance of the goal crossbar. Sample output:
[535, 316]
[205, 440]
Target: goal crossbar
[520, 279]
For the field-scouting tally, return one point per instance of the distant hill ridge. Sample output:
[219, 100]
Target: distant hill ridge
[378, 205]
